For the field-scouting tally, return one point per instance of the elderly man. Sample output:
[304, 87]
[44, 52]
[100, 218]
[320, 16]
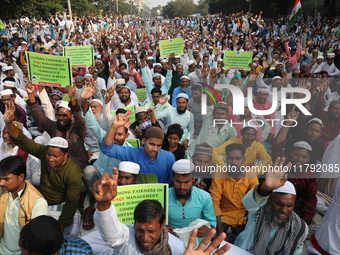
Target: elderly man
[148, 234]
[69, 125]
[186, 202]
[273, 227]
[60, 176]
[184, 88]
[7, 96]
[20, 202]
[179, 115]
[227, 191]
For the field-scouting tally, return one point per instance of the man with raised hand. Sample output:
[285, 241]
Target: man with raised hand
[148, 234]
[273, 227]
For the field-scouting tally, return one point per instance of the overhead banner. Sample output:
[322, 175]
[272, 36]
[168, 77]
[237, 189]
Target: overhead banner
[81, 56]
[49, 70]
[237, 59]
[130, 196]
[167, 47]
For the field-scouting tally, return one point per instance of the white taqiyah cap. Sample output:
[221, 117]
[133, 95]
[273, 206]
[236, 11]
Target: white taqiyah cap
[58, 142]
[141, 109]
[7, 68]
[98, 101]
[63, 104]
[316, 120]
[287, 188]
[263, 90]
[182, 95]
[129, 167]
[6, 92]
[88, 75]
[183, 166]
[185, 77]
[190, 62]
[302, 145]
[120, 81]
[10, 84]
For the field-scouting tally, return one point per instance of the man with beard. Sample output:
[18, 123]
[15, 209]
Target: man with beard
[128, 173]
[103, 164]
[124, 99]
[69, 125]
[128, 82]
[156, 94]
[151, 158]
[156, 80]
[188, 203]
[330, 118]
[227, 191]
[20, 202]
[195, 107]
[103, 69]
[328, 66]
[60, 180]
[184, 88]
[148, 234]
[179, 115]
[272, 227]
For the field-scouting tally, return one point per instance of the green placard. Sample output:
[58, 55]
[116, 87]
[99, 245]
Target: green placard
[167, 47]
[130, 196]
[141, 95]
[2, 25]
[132, 118]
[81, 56]
[134, 142]
[49, 70]
[237, 59]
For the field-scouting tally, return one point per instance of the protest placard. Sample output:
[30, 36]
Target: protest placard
[2, 25]
[237, 59]
[167, 47]
[130, 196]
[141, 95]
[81, 56]
[132, 118]
[134, 142]
[49, 70]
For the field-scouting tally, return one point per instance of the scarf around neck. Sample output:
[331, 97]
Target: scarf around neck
[287, 239]
[161, 248]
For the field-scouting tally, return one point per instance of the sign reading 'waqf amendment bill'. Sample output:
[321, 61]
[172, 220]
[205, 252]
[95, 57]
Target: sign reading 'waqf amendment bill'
[237, 59]
[81, 56]
[49, 70]
[167, 47]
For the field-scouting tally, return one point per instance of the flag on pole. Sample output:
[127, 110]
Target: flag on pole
[296, 12]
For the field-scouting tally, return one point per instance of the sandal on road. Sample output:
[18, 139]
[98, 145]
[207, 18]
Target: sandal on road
[88, 224]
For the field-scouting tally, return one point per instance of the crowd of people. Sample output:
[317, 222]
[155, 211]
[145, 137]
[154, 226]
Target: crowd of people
[64, 154]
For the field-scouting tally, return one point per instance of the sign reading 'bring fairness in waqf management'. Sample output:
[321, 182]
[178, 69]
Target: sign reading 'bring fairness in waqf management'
[49, 70]
[167, 47]
[130, 196]
[81, 56]
[237, 59]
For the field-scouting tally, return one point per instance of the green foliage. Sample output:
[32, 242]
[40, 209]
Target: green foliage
[179, 8]
[203, 7]
[13, 9]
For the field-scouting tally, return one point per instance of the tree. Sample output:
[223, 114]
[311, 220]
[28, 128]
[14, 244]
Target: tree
[178, 8]
[203, 7]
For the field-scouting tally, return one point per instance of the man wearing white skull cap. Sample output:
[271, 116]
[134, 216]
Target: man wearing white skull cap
[60, 180]
[273, 227]
[188, 203]
[128, 173]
